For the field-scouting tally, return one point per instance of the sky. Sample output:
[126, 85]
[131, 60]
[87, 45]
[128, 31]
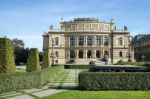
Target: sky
[28, 19]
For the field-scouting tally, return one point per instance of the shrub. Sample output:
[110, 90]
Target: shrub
[33, 60]
[7, 62]
[26, 80]
[114, 80]
[76, 66]
[46, 60]
[92, 63]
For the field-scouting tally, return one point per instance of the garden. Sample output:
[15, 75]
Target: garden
[96, 82]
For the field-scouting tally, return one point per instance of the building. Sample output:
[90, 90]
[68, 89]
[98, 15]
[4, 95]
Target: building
[141, 46]
[84, 39]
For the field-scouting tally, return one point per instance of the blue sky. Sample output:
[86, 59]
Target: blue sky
[27, 19]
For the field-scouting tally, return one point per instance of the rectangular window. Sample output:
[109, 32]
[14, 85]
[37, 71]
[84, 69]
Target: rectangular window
[72, 41]
[57, 41]
[89, 40]
[81, 40]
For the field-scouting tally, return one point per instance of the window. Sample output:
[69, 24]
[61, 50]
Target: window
[56, 53]
[98, 40]
[120, 54]
[56, 61]
[57, 41]
[72, 41]
[106, 54]
[80, 54]
[81, 40]
[89, 54]
[106, 41]
[98, 55]
[89, 40]
[72, 54]
[120, 41]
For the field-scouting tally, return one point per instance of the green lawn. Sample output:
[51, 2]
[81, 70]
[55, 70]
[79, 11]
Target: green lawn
[74, 94]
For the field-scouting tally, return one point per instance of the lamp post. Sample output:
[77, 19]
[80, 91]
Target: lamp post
[129, 55]
[112, 35]
[52, 53]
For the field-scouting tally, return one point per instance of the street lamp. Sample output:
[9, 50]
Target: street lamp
[129, 55]
[112, 36]
[52, 53]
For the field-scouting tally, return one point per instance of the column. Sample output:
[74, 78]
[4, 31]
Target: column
[85, 54]
[77, 55]
[93, 53]
[93, 40]
[77, 42]
[85, 40]
[68, 41]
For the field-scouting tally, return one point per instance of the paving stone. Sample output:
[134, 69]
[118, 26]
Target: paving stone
[11, 94]
[47, 92]
[21, 97]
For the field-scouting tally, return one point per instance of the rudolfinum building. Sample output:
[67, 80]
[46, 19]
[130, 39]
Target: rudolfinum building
[82, 40]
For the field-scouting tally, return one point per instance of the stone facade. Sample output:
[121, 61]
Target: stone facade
[141, 46]
[84, 39]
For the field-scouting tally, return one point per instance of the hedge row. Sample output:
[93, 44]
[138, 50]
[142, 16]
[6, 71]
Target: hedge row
[24, 80]
[74, 66]
[114, 81]
[7, 62]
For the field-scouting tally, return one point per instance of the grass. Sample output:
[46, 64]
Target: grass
[74, 94]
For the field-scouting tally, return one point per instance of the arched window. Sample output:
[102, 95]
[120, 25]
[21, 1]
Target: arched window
[72, 54]
[98, 41]
[120, 54]
[106, 54]
[89, 40]
[72, 41]
[120, 41]
[80, 54]
[56, 53]
[89, 54]
[81, 40]
[98, 55]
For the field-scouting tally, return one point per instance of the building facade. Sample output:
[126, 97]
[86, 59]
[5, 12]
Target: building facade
[141, 46]
[84, 39]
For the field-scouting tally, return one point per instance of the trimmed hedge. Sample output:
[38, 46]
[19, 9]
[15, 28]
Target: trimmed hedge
[7, 62]
[114, 80]
[74, 66]
[33, 63]
[46, 60]
[25, 80]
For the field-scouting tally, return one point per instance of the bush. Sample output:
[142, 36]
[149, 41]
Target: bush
[33, 63]
[46, 60]
[114, 80]
[7, 62]
[25, 80]
[74, 66]
[92, 63]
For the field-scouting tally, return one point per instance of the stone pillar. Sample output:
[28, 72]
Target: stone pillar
[85, 54]
[93, 53]
[77, 41]
[85, 40]
[93, 40]
[68, 41]
[77, 53]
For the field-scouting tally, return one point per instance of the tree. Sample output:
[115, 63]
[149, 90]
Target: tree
[20, 52]
[18, 43]
[7, 63]
[33, 60]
